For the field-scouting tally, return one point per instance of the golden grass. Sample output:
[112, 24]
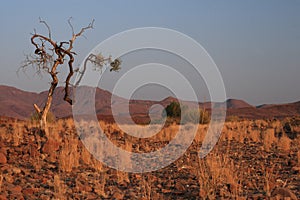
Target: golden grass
[1, 180]
[218, 167]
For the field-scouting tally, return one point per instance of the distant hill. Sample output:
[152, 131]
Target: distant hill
[18, 104]
[235, 104]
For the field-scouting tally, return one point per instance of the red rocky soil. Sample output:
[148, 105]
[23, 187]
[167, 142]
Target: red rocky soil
[36, 166]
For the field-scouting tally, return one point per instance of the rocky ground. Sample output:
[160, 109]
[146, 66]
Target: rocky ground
[252, 160]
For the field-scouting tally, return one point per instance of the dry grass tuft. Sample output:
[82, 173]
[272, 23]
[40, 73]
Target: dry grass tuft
[247, 162]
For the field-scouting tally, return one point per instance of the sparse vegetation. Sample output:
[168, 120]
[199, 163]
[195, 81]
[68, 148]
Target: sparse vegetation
[173, 110]
[183, 114]
[50, 54]
[249, 161]
[36, 118]
[232, 118]
[196, 116]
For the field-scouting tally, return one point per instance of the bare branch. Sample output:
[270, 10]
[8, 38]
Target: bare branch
[36, 62]
[83, 36]
[34, 32]
[70, 24]
[71, 72]
[74, 36]
[48, 27]
[90, 26]
[38, 110]
[48, 55]
[98, 61]
[62, 43]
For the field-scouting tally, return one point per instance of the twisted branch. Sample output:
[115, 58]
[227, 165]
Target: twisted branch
[48, 55]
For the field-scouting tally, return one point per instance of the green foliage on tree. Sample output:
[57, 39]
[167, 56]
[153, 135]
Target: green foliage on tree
[173, 110]
[184, 114]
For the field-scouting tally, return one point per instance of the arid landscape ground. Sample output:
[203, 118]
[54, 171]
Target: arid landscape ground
[150, 100]
[255, 158]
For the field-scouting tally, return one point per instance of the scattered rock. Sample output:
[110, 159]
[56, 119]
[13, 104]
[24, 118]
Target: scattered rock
[27, 172]
[15, 189]
[283, 193]
[3, 159]
[29, 191]
[179, 188]
[16, 170]
[83, 187]
[118, 194]
[50, 146]
[166, 191]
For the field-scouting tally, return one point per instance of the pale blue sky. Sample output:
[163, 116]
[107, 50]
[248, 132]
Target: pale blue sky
[255, 44]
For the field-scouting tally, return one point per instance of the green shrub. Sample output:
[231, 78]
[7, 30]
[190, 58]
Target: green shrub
[173, 112]
[195, 116]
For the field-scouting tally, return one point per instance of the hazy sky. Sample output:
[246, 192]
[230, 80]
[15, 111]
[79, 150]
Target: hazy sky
[255, 43]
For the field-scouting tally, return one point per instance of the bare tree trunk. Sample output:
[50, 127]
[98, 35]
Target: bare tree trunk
[43, 123]
[48, 56]
[43, 113]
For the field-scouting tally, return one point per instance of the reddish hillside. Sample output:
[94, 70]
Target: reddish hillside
[235, 104]
[18, 104]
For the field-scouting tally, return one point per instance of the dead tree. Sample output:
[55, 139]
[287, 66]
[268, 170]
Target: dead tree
[98, 61]
[49, 54]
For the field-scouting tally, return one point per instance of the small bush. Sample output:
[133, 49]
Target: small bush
[50, 117]
[232, 118]
[184, 114]
[173, 110]
[195, 116]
